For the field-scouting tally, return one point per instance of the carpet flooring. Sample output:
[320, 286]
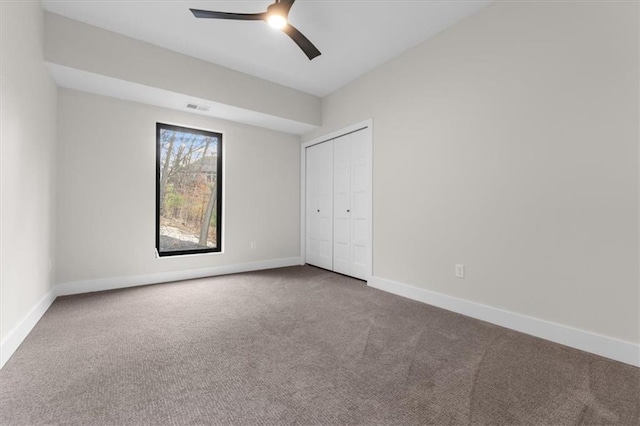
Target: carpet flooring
[297, 345]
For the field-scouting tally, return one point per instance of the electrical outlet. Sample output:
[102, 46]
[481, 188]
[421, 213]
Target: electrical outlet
[252, 245]
[459, 270]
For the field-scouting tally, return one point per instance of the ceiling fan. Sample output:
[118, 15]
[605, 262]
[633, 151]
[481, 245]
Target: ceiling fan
[276, 16]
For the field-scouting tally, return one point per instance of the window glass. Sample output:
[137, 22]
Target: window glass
[188, 190]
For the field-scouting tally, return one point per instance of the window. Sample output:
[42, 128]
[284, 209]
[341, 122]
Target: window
[188, 190]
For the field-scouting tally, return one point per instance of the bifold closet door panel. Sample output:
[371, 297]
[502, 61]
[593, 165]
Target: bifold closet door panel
[319, 205]
[342, 205]
[311, 220]
[360, 204]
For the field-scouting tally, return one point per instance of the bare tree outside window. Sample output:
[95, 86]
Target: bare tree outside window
[188, 190]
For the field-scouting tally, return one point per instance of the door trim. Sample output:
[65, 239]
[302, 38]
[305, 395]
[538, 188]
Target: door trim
[366, 124]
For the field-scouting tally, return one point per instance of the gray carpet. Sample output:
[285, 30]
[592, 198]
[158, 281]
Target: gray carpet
[296, 346]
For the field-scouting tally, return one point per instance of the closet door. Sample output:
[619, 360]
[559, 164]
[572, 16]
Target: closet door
[360, 204]
[352, 201]
[319, 205]
[342, 205]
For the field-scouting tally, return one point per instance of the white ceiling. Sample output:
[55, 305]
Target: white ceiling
[354, 36]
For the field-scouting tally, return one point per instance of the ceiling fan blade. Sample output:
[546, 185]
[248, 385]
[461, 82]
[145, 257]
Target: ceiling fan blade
[198, 13]
[307, 47]
[287, 4]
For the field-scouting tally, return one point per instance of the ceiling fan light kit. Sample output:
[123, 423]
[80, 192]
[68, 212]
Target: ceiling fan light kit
[277, 21]
[276, 16]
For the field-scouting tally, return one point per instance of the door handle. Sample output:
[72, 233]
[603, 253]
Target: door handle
[348, 211]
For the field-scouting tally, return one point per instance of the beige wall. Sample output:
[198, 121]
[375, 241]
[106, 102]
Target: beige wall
[509, 143]
[106, 219]
[27, 163]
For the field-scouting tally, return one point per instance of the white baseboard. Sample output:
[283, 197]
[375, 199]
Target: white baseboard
[102, 284]
[10, 343]
[16, 336]
[608, 347]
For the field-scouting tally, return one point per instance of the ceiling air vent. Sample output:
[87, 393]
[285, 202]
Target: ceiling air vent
[197, 107]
